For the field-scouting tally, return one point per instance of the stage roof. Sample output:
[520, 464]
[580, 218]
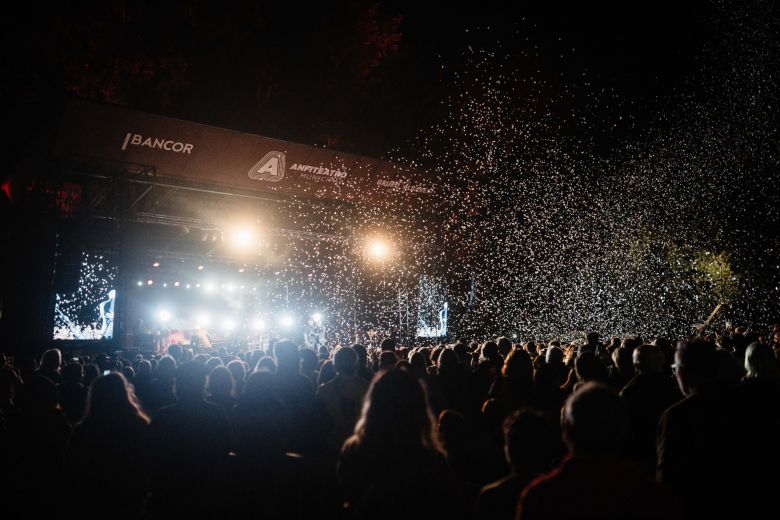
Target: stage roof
[190, 152]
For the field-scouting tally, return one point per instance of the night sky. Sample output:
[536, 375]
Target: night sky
[364, 77]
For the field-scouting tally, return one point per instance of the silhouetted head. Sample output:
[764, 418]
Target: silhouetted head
[623, 359]
[175, 351]
[345, 361]
[190, 381]
[451, 429]
[112, 397]
[518, 366]
[696, 365]
[144, 369]
[362, 354]
[387, 359]
[51, 360]
[530, 442]
[237, 370]
[504, 345]
[387, 344]
[266, 364]
[489, 351]
[418, 365]
[594, 421]
[327, 371]
[166, 368]
[588, 367]
[554, 355]
[288, 358]
[448, 361]
[212, 363]
[462, 351]
[72, 373]
[760, 361]
[648, 359]
[395, 412]
[592, 339]
[220, 382]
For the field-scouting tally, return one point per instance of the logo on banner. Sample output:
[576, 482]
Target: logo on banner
[269, 168]
[159, 143]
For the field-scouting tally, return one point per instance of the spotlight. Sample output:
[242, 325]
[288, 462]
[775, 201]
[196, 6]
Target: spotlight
[378, 249]
[176, 284]
[202, 319]
[258, 325]
[165, 316]
[140, 283]
[156, 264]
[197, 286]
[242, 237]
[165, 285]
[149, 282]
[229, 325]
[317, 317]
[188, 286]
[200, 268]
[286, 321]
[209, 287]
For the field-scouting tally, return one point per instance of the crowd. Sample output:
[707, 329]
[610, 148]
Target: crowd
[615, 428]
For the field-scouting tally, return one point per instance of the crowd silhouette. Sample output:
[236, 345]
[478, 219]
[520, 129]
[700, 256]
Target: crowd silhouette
[611, 429]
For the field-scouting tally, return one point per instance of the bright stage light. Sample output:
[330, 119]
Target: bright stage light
[188, 286]
[378, 249]
[149, 282]
[140, 283]
[286, 321]
[156, 264]
[229, 324]
[200, 268]
[165, 285]
[242, 238]
[317, 317]
[209, 287]
[258, 325]
[176, 284]
[165, 316]
[202, 320]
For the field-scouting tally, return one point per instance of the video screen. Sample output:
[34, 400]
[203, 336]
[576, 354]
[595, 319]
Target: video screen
[88, 313]
[433, 309]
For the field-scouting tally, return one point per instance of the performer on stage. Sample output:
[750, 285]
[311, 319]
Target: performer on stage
[314, 336]
[106, 309]
[200, 338]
